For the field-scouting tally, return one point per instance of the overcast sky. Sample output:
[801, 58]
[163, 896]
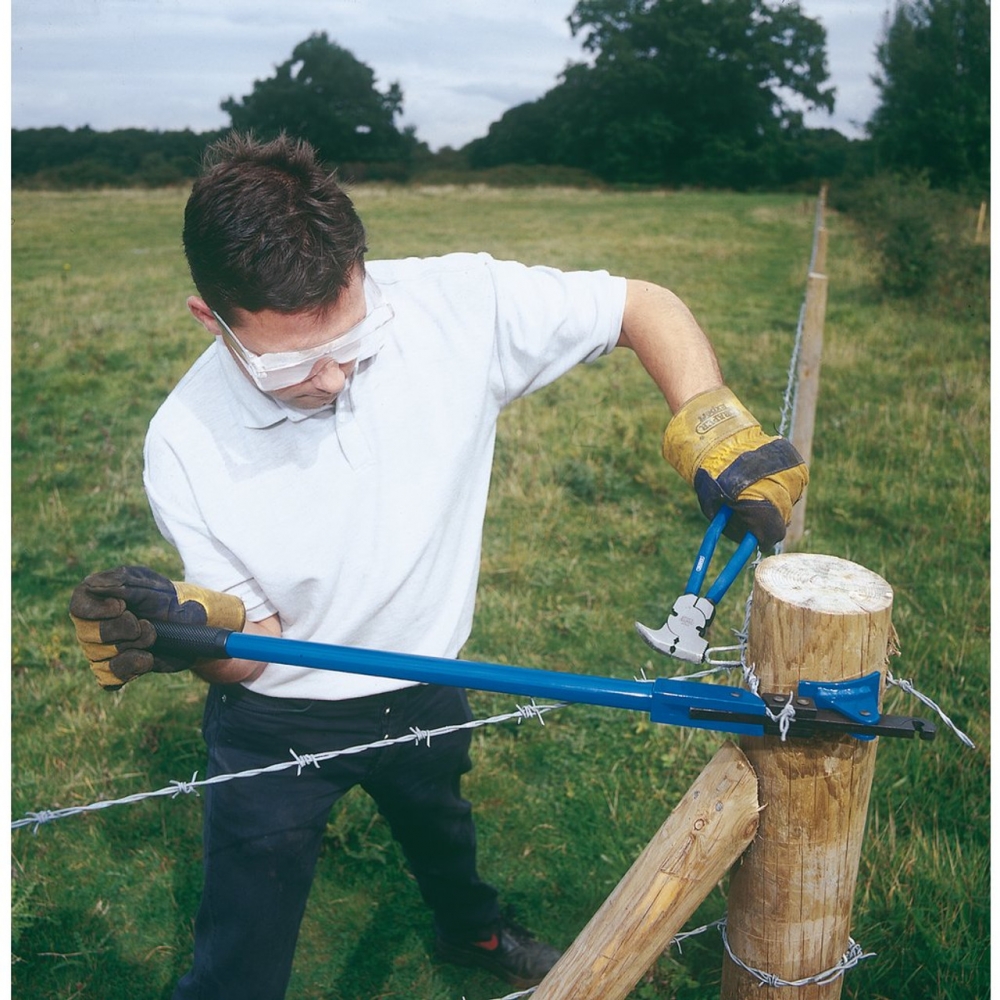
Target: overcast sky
[166, 64]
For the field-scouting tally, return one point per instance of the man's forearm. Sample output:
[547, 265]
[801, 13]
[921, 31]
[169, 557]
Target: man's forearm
[236, 671]
[713, 441]
[669, 343]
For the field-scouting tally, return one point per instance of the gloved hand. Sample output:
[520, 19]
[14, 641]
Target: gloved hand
[115, 614]
[715, 443]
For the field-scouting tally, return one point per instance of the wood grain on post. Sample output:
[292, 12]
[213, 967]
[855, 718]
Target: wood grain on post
[807, 391]
[813, 617]
[700, 840]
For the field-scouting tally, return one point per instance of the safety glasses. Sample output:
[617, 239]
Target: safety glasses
[279, 370]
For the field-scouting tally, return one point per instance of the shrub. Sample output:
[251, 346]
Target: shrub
[86, 173]
[922, 239]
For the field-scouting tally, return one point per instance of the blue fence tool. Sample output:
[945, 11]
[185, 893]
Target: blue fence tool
[683, 633]
[673, 702]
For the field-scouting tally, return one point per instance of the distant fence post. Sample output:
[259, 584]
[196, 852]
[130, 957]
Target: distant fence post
[981, 222]
[700, 840]
[820, 618]
[807, 391]
[817, 261]
[810, 357]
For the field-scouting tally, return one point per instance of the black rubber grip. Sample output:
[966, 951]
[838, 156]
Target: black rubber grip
[197, 641]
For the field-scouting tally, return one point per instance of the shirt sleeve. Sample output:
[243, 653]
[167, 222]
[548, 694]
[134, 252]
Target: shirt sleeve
[175, 511]
[548, 321]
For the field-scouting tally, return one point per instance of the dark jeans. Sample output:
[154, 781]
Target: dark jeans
[262, 835]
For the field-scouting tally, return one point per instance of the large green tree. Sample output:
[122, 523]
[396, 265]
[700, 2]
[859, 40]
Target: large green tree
[327, 96]
[681, 91]
[934, 86]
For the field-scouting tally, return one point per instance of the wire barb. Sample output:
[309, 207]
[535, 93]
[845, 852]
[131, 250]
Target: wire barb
[36, 819]
[303, 760]
[677, 939]
[534, 711]
[185, 787]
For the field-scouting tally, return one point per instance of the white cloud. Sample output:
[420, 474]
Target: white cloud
[853, 29]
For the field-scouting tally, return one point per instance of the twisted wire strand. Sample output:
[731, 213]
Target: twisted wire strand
[854, 954]
[514, 996]
[299, 761]
[905, 685]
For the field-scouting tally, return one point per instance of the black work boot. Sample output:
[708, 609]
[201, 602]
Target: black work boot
[512, 953]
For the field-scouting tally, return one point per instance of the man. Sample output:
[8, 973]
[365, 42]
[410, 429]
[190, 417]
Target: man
[323, 471]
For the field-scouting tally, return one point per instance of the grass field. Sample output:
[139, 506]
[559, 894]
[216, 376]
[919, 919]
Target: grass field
[588, 530]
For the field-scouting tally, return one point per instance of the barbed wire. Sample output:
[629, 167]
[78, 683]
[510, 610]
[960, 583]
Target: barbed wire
[905, 685]
[854, 954]
[298, 761]
[514, 996]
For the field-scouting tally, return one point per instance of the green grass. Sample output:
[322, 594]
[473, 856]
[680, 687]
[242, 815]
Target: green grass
[588, 530]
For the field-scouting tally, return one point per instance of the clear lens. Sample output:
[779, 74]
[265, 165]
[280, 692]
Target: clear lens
[279, 370]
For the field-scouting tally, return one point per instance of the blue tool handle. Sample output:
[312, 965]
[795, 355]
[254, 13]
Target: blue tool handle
[707, 550]
[737, 561]
[215, 643]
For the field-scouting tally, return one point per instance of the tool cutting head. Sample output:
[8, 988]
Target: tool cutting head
[683, 634]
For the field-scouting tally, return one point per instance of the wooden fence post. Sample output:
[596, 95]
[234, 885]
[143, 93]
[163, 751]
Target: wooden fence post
[981, 222]
[812, 617]
[810, 355]
[818, 260]
[700, 840]
[807, 391]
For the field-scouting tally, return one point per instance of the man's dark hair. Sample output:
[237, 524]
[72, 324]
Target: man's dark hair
[268, 227]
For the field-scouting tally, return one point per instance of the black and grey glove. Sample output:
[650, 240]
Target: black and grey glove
[115, 614]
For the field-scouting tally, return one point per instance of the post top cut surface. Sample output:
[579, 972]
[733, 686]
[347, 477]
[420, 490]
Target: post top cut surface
[826, 584]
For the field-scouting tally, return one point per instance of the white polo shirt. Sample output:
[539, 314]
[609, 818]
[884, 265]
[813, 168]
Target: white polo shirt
[361, 524]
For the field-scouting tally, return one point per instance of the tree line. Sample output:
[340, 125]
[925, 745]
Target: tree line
[708, 93]
[83, 157]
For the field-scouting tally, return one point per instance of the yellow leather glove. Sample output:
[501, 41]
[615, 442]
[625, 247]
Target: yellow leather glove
[115, 614]
[717, 445]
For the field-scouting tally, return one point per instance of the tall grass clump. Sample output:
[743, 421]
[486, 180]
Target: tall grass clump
[587, 531]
